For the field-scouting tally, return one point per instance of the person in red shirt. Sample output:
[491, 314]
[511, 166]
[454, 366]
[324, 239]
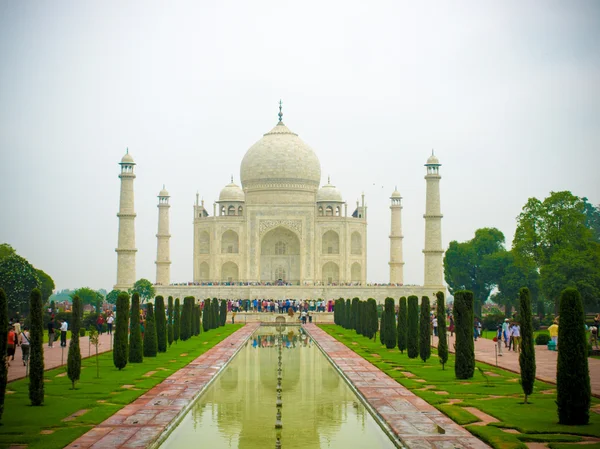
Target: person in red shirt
[99, 323]
[11, 345]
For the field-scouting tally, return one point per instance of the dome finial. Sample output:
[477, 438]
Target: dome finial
[127, 150]
[232, 179]
[163, 186]
[432, 152]
[280, 113]
[328, 179]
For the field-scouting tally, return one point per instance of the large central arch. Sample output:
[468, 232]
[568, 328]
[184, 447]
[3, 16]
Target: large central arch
[280, 256]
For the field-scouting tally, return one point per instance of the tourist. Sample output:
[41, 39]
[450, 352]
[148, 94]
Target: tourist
[17, 326]
[109, 323]
[451, 326]
[435, 326]
[142, 327]
[479, 327]
[553, 331]
[303, 317]
[596, 321]
[63, 333]
[593, 337]
[505, 327]
[517, 337]
[232, 317]
[11, 345]
[24, 342]
[51, 333]
[498, 339]
[99, 324]
[511, 338]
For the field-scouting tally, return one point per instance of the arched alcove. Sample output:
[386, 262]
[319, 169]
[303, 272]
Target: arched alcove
[355, 272]
[280, 256]
[204, 242]
[330, 243]
[230, 242]
[356, 243]
[204, 272]
[331, 273]
[229, 272]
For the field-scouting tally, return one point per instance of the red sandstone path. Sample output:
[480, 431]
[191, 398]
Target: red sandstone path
[57, 356]
[545, 360]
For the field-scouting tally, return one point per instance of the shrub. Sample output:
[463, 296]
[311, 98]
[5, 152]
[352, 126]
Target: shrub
[491, 321]
[121, 349]
[186, 321]
[81, 331]
[348, 317]
[442, 337]
[160, 318]
[223, 313]
[36, 351]
[372, 320]
[527, 355]
[464, 365]
[215, 313]
[542, 339]
[170, 334]
[412, 329]
[402, 324]
[390, 323]
[150, 343]
[382, 329]
[206, 315]
[136, 350]
[572, 375]
[176, 321]
[354, 313]
[424, 330]
[3, 346]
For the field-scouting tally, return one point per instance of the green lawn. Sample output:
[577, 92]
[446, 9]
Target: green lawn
[492, 390]
[22, 424]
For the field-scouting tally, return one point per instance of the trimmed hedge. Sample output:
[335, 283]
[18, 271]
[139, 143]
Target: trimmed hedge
[223, 313]
[424, 330]
[136, 350]
[150, 343]
[170, 333]
[36, 350]
[464, 365]
[527, 355]
[176, 321]
[382, 329]
[206, 315]
[402, 324]
[572, 376]
[442, 336]
[412, 330]
[372, 319]
[390, 323]
[542, 339]
[161, 324]
[354, 313]
[121, 349]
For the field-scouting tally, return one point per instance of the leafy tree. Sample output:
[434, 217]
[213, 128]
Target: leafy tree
[572, 376]
[74, 356]
[6, 250]
[176, 321]
[121, 350]
[90, 297]
[18, 278]
[412, 329]
[170, 334]
[150, 338]
[206, 316]
[464, 365]
[145, 289]
[355, 315]
[111, 298]
[402, 324]
[527, 355]
[36, 350]
[372, 319]
[223, 313]
[136, 350]
[471, 265]
[390, 323]
[442, 336]
[46, 285]
[424, 330]
[592, 219]
[161, 324]
[3, 346]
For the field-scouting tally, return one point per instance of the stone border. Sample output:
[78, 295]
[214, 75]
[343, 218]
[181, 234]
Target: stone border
[413, 421]
[151, 417]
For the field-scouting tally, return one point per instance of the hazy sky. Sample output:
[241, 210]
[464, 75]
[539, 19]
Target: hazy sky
[507, 93]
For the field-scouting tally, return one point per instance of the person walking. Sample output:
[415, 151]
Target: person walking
[109, 323]
[517, 337]
[64, 327]
[435, 326]
[51, 332]
[24, 342]
[505, 333]
[553, 331]
[498, 339]
[99, 324]
[451, 326]
[233, 318]
[11, 345]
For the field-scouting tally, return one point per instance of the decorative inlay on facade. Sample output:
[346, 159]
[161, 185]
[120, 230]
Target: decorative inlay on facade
[266, 225]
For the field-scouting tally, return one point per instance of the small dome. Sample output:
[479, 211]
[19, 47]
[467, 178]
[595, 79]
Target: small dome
[433, 160]
[231, 192]
[396, 194]
[329, 194]
[163, 192]
[127, 159]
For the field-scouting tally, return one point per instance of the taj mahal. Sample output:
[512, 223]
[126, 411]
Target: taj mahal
[281, 234]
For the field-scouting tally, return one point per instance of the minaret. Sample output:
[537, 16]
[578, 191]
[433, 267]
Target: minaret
[126, 247]
[434, 272]
[163, 251]
[396, 258]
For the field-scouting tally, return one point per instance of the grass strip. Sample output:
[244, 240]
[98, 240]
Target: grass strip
[102, 397]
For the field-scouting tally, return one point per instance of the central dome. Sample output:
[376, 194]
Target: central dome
[280, 160]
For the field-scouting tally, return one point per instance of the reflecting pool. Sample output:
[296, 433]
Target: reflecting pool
[238, 409]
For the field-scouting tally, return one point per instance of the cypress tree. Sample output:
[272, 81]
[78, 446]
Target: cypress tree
[355, 314]
[362, 309]
[150, 337]
[573, 376]
[170, 335]
[136, 351]
[161, 324]
[527, 355]
[120, 349]
[390, 323]
[199, 318]
[185, 322]
[382, 329]
[372, 319]
[36, 350]
[176, 321]
[3, 346]
[442, 337]
[206, 316]
[402, 324]
[464, 365]
[348, 310]
[223, 313]
[341, 305]
[412, 328]
[215, 312]
[424, 330]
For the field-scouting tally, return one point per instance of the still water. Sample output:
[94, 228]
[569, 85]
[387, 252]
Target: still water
[238, 408]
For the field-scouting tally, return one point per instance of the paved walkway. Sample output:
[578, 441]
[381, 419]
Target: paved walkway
[545, 360]
[140, 423]
[57, 356]
[416, 423]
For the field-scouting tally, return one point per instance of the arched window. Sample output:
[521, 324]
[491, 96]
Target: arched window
[280, 274]
[240, 210]
[204, 272]
[329, 211]
[222, 210]
[331, 273]
[280, 248]
[337, 211]
[231, 210]
[320, 211]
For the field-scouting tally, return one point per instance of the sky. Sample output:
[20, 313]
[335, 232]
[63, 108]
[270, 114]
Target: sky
[506, 93]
